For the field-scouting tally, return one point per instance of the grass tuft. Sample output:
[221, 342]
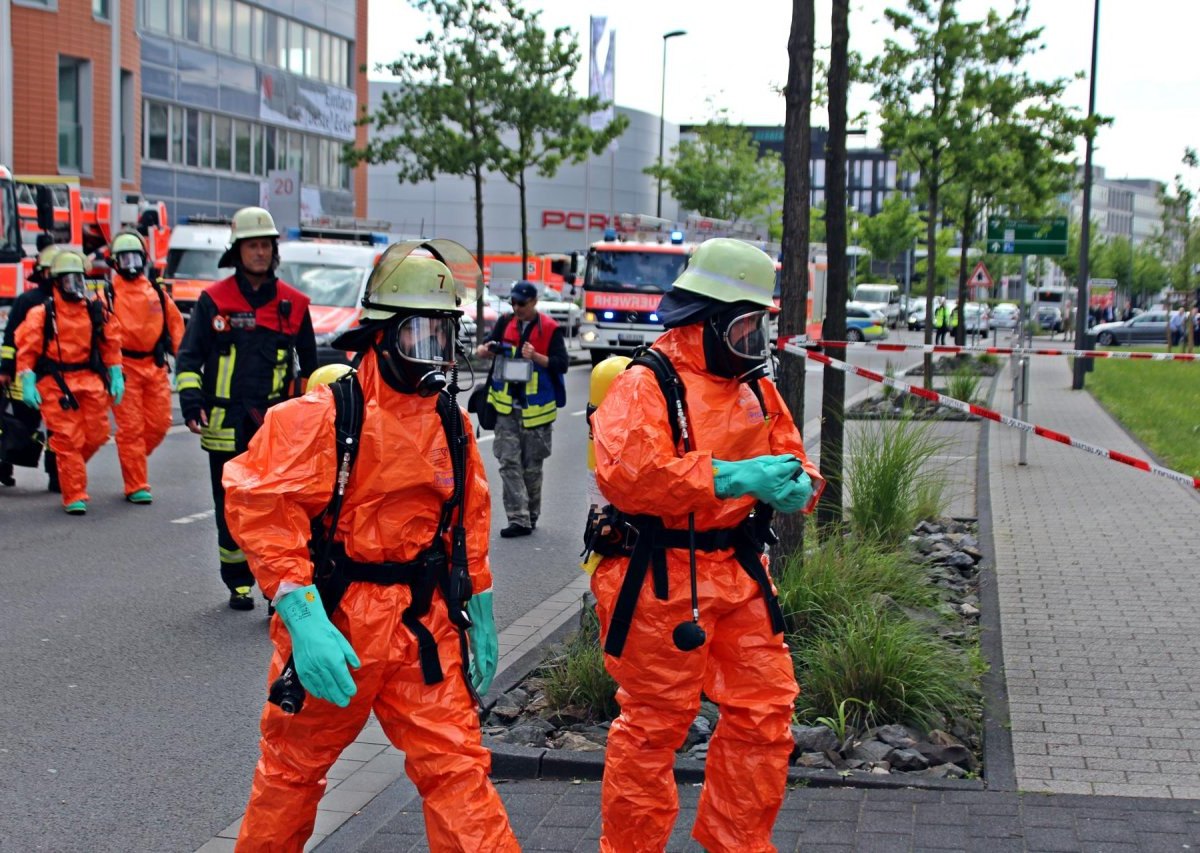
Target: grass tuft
[576, 677]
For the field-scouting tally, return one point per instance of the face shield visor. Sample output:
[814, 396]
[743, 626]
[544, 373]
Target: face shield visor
[736, 344]
[417, 351]
[73, 286]
[129, 264]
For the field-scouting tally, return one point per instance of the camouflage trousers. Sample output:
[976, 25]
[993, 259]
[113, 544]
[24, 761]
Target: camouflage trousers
[521, 451]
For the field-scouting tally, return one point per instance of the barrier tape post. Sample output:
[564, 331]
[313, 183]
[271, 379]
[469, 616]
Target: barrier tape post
[989, 414]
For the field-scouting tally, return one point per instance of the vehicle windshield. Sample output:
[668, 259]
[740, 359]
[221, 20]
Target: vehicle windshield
[196, 264]
[875, 295]
[643, 272]
[10, 233]
[339, 287]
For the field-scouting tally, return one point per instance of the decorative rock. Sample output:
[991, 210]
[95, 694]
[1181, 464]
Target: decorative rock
[813, 739]
[816, 760]
[907, 759]
[698, 732]
[577, 742]
[881, 770]
[969, 611]
[872, 751]
[894, 735]
[507, 708]
[943, 771]
[960, 560]
[949, 754]
[524, 734]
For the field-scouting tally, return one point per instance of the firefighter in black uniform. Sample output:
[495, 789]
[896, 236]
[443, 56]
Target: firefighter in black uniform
[28, 415]
[248, 345]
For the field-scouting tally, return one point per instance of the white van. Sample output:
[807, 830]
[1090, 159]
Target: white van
[882, 297]
[196, 246]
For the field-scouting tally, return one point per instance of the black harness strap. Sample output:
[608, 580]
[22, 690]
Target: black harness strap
[648, 551]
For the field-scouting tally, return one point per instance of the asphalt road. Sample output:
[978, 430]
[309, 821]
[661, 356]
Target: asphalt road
[130, 693]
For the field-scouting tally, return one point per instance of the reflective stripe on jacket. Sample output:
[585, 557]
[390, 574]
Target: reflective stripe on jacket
[539, 407]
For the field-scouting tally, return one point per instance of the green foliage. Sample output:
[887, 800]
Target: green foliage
[889, 665]
[720, 173]
[576, 678]
[837, 575]
[891, 231]
[963, 383]
[848, 710]
[888, 463]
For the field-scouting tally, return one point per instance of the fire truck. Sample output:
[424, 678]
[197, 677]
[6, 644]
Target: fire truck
[12, 273]
[627, 273]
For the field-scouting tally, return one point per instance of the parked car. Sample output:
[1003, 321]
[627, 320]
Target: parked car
[1005, 316]
[976, 318]
[1147, 327]
[1049, 318]
[875, 312]
[865, 324]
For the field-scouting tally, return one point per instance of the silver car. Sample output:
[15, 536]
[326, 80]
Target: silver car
[1149, 327]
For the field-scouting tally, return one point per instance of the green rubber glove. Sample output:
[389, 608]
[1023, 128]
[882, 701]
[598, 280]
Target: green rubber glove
[795, 495]
[116, 384]
[319, 649]
[763, 476]
[29, 392]
[485, 645]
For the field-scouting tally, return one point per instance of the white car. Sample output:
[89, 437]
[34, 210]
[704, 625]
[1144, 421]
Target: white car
[1005, 315]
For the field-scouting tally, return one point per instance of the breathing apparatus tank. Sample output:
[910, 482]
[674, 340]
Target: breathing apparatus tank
[603, 375]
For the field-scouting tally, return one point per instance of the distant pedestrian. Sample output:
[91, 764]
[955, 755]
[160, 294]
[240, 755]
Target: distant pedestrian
[941, 321]
[527, 391]
[1176, 326]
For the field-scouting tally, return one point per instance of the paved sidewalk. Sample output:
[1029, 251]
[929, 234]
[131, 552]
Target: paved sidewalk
[1098, 593]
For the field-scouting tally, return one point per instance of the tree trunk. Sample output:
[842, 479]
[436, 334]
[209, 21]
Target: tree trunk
[833, 402]
[930, 262]
[478, 176]
[524, 225]
[960, 334]
[797, 192]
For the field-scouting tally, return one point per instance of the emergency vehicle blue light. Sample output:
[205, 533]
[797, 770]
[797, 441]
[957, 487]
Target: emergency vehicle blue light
[610, 234]
[653, 318]
[379, 239]
[677, 237]
[609, 315]
[292, 233]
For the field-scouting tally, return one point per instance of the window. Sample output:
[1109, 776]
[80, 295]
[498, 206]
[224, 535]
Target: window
[274, 35]
[156, 15]
[312, 50]
[177, 18]
[295, 151]
[258, 166]
[192, 134]
[177, 122]
[341, 74]
[157, 120]
[223, 25]
[242, 30]
[241, 146]
[268, 141]
[100, 9]
[326, 50]
[71, 90]
[206, 141]
[295, 43]
[127, 102]
[324, 177]
[259, 38]
[222, 131]
[312, 160]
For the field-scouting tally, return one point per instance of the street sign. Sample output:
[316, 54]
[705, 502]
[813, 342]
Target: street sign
[1027, 236]
[981, 277]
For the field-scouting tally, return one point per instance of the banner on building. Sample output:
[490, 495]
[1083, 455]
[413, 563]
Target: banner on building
[601, 83]
[306, 105]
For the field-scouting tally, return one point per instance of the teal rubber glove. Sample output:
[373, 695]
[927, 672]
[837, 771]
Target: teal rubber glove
[795, 495]
[116, 384]
[29, 392]
[485, 645]
[764, 477]
[319, 649]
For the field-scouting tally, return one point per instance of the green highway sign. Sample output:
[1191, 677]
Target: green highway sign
[1027, 236]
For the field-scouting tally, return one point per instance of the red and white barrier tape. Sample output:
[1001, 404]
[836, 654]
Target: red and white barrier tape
[1136, 355]
[971, 408]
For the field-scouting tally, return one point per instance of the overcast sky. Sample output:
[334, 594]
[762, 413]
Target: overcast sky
[734, 56]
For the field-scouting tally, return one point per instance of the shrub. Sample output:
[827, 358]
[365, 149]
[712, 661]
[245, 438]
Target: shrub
[831, 579]
[989, 358]
[891, 667]
[963, 383]
[889, 371]
[576, 677]
[888, 470]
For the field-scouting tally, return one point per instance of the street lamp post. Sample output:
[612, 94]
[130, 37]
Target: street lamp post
[662, 106]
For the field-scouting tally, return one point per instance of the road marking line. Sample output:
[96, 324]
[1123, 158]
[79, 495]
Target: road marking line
[196, 516]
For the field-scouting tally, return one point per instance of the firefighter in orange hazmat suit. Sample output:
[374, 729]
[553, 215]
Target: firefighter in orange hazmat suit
[731, 626]
[69, 363]
[397, 625]
[151, 329]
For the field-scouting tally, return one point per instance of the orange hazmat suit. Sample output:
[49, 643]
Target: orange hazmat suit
[144, 415]
[75, 434]
[399, 483]
[743, 666]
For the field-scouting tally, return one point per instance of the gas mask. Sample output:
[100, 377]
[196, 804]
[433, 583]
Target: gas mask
[416, 352]
[129, 265]
[72, 286]
[736, 344]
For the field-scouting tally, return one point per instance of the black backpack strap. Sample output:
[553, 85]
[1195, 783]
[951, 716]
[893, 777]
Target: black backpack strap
[347, 423]
[672, 390]
[163, 347]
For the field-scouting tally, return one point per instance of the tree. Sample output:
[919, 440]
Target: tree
[720, 173]
[918, 86]
[797, 192]
[543, 109]
[445, 119]
[1180, 235]
[891, 232]
[833, 388]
